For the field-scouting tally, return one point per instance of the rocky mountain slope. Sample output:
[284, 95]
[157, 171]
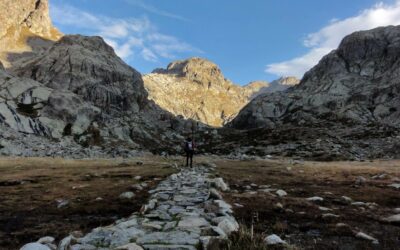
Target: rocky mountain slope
[346, 107]
[25, 26]
[358, 83]
[196, 88]
[79, 91]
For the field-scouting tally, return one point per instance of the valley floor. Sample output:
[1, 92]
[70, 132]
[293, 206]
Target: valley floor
[328, 224]
[44, 196]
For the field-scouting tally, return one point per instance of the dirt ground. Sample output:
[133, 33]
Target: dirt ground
[32, 189]
[301, 222]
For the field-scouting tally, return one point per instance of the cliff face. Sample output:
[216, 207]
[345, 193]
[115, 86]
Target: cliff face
[25, 25]
[196, 88]
[357, 84]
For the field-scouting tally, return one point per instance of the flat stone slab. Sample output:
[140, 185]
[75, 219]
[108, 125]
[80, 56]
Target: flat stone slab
[169, 238]
[190, 222]
[169, 247]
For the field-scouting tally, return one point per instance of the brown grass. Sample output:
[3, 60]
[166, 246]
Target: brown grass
[300, 222]
[31, 186]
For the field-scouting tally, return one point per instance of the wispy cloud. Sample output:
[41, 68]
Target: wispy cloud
[154, 10]
[130, 37]
[328, 38]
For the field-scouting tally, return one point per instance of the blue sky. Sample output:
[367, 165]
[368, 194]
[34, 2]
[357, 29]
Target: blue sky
[248, 39]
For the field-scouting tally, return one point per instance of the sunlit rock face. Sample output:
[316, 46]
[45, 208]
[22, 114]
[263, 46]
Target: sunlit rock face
[196, 88]
[25, 26]
[358, 83]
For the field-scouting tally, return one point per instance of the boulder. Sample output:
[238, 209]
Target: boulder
[35, 246]
[273, 239]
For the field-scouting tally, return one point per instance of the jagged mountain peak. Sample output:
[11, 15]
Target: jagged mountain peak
[197, 69]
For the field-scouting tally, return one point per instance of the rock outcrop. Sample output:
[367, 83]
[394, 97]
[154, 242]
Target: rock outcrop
[354, 84]
[196, 88]
[88, 67]
[25, 26]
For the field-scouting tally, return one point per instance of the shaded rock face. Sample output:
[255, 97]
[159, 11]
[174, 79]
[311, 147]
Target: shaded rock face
[30, 107]
[21, 20]
[88, 67]
[355, 84]
[196, 88]
[80, 88]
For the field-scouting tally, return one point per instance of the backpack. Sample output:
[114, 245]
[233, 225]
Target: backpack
[189, 146]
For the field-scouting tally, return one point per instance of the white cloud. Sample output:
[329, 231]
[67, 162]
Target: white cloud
[129, 37]
[329, 37]
[148, 55]
[154, 10]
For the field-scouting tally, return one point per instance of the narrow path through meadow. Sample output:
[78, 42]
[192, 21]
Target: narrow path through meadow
[185, 211]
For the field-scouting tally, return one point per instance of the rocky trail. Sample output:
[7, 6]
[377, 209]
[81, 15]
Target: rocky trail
[185, 211]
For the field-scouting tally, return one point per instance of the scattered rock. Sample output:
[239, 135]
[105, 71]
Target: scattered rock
[347, 199]
[238, 205]
[358, 203]
[127, 196]
[315, 198]
[61, 203]
[365, 236]
[228, 226]
[137, 187]
[220, 184]
[330, 215]
[394, 218]
[215, 194]
[379, 176]
[273, 239]
[324, 209]
[281, 193]
[395, 185]
[360, 180]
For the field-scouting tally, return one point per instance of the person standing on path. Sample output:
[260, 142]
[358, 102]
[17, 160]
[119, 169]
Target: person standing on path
[189, 150]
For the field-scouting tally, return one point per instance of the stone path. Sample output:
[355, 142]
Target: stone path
[185, 211]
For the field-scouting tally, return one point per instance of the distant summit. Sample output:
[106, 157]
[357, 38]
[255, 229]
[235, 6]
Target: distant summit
[196, 88]
[280, 84]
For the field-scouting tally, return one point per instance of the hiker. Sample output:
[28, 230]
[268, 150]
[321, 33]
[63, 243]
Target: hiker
[189, 150]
